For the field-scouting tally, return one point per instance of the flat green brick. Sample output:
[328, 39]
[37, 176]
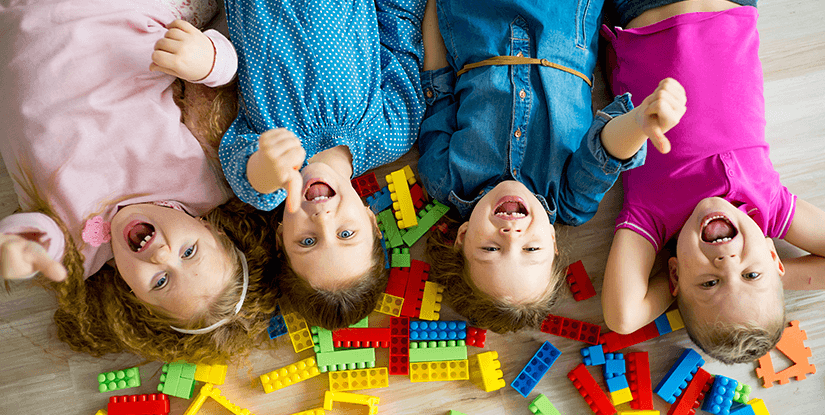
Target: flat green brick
[119, 379]
[437, 351]
[348, 359]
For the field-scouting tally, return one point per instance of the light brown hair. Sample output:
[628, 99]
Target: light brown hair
[448, 267]
[339, 308]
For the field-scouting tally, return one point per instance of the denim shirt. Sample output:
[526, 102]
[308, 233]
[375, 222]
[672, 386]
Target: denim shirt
[527, 123]
[333, 73]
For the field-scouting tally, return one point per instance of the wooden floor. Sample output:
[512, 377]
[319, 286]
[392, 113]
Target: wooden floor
[41, 376]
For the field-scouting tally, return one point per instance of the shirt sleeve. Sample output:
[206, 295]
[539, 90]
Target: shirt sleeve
[437, 128]
[401, 54]
[237, 145]
[226, 60]
[591, 171]
[44, 228]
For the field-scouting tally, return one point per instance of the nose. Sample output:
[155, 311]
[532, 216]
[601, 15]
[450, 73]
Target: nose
[510, 231]
[321, 215]
[721, 260]
[162, 254]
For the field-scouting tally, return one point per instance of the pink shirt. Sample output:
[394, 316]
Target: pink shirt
[87, 123]
[718, 148]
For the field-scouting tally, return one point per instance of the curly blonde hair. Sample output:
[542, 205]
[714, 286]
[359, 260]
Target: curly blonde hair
[448, 267]
[339, 308]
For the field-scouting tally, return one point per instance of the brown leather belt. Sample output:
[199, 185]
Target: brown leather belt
[520, 60]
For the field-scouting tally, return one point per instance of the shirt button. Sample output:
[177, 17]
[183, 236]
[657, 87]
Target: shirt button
[520, 55]
[429, 93]
[515, 172]
[517, 133]
[522, 94]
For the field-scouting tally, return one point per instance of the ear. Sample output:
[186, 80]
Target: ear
[459, 237]
[775, 257]
[673, 275]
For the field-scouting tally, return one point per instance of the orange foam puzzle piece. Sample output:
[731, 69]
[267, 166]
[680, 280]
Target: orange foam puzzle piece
[791, 345]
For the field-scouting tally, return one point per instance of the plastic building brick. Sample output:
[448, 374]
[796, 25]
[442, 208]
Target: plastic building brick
[209, 391]
[400, 258]
[298, 332]
[542, 406]
[662, 324]
[791, 345]
[348, 380]
[414, 293]
[417, 196]
[392, 235]
[592, 355]
[364, 323]
[639, 412]
[638, 377]
[720, 396]
[346, 397]
[428, 217]
[620, 396]
[431, 302]
[119, 379]
[154, 404]
[742, 393]
[439, 371]
[617, 383]
[614, 341]
[438, 351]
[214, 374]
[101, 412]
[380, 201]
[346, 359]
[591, 392]
[571, 329]
[579, 282]
[389, 305]
[289, 375]
[614, 365]
[366, 184]
[322, 338]
[688, 402]
[399, 183]
[758, 406]
[739, 408]
[399, 346]
[362, 337]
[438, 330]
[178, 379]
[476, 337]
[485, 371]
[277, 326]
[397, 282]
[679, 375]
[386, 254]
[454, 412]
[538, 365]
[316, 411]
[674, 317]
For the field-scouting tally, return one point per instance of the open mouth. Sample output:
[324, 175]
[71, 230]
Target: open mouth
[718, 229]
[139, 235]
[318, 192]
[511, 207]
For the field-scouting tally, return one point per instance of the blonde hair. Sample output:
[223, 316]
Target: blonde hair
[100, 315]
[448, 267]
[732, 343]
[339, 308]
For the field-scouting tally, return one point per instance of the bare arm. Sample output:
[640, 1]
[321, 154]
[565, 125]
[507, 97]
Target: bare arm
[807, 232]
[630, 297]
[435, 53]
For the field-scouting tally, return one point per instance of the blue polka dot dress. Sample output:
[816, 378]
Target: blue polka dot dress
[332, 72]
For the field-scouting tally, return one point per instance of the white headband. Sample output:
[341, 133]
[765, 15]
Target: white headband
[237, 306]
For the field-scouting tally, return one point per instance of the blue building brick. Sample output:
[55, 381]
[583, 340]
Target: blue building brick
[380, 201]
[662, 324]
[593, 355]
[679, 375]
[720, 396]
[438, 330]
[538, 365]
[614, 365]
[277, 325]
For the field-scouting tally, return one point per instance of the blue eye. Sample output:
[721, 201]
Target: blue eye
[489, 248]
[751, 275]
[189, 252]
[307, 242]
[161, 282]
[532, 249]
[346, 234]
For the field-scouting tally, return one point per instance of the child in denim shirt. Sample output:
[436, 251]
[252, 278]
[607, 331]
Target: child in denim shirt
[509, 140]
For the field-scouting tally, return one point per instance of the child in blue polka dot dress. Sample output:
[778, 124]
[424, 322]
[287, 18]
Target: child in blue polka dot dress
[329, 90]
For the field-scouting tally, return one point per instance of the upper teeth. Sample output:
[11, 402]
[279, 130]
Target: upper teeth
[709, 220]
[725, 239]
[319, 198]
[146, 239]
[516, 214]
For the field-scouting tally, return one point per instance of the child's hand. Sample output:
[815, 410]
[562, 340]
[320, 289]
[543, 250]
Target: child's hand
[661, 111]
[20, 258]
[184, 52]
[275, 165]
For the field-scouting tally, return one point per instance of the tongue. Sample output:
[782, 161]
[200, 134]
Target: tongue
[139, 232]
[509, 207]
[319, 189]
[717, 228]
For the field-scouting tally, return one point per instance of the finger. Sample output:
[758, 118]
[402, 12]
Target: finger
[50, 268]
[293, 195]
[659, 140]
[674, 88]
[167, 45]
[165, 62]
[183, 26]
